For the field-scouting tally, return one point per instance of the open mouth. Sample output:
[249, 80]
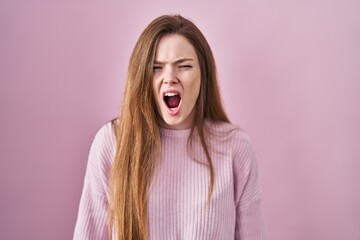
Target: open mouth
[172, 100]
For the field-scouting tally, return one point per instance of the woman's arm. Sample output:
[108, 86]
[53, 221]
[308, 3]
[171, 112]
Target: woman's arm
[92, 215]
[249, 213]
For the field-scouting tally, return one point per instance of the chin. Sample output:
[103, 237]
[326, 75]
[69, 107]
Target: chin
[174, 123]
[179, 121]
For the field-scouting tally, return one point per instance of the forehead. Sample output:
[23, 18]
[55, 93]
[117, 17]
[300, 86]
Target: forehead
[174, 46]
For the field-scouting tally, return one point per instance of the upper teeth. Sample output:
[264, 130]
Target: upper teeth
[170, 94]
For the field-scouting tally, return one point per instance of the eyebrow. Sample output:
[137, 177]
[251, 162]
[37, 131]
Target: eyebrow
[176, 61]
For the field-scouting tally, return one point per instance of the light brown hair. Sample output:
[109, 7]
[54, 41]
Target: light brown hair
[137, 128]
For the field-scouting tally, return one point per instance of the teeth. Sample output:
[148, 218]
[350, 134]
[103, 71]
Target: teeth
[170, 94]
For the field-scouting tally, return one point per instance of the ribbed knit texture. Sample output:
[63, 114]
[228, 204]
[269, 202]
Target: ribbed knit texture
[178, 194]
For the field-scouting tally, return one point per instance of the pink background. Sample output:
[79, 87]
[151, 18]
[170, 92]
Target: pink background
[289, 73]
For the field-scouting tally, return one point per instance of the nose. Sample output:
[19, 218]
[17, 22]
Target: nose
[170, 75]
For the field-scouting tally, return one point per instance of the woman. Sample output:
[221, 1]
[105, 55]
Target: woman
[171, 166]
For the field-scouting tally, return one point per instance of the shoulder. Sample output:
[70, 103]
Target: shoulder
[104, 144]
[227, 132]
[105, 134]
[101, 156]
[230, 139]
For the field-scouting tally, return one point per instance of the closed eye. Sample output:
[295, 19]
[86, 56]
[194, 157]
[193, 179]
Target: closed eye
[185, 66]
[157, 68]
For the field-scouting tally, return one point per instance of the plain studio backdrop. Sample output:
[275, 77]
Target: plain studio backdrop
[289, 73]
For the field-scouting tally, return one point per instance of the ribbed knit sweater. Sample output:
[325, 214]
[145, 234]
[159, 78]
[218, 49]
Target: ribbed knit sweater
[178, 193]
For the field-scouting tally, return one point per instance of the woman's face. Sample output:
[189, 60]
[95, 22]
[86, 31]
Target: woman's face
[176, 81]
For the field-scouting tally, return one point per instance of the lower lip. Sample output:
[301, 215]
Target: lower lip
[175, 111]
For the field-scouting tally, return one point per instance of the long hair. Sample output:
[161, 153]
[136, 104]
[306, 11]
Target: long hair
[137, 128]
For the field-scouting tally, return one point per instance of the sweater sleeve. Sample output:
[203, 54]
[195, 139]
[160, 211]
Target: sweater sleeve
[249, 213]
[92, 214]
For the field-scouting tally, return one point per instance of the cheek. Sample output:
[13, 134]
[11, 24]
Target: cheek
[156, 82]
[155, 87]
[197, 85]
[155, 91]
[194, 89]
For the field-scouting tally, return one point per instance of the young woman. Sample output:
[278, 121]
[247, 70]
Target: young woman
[171, 166]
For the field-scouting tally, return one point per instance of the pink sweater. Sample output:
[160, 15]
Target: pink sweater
[178, 193]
